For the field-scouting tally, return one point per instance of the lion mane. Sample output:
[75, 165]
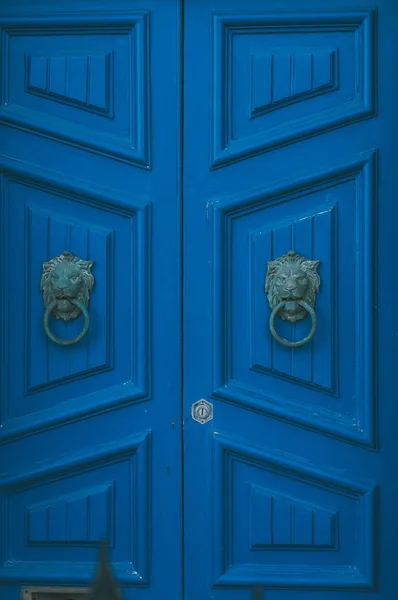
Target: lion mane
[306, 266]
[84, 269]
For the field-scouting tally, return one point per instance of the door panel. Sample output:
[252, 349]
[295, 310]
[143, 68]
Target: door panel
[76, 80]
[283, 77]
[46, 219]
[89, 164]
[331, 217]
[286, 485]
[288, 144]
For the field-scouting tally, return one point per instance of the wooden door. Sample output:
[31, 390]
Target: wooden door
[90, 436]
[290, 136]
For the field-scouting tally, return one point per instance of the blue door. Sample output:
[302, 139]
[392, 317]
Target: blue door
[90, 204]
[290, 139]
[198, 334]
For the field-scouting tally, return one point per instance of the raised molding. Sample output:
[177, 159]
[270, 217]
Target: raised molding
[133, 570]
[80, 73]
[265, 503]
[264, 67]
[137, 386]
[229, 571]
[361, 427]
[72, 514]
[135, 24]
[298, 227]
[40, 222]
[227, 148]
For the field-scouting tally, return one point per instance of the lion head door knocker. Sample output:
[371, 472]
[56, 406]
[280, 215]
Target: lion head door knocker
[66, 284]
[291, 285]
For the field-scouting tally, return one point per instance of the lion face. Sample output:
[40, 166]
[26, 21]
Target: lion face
[290, 278]
[292, 282]
[65, 278]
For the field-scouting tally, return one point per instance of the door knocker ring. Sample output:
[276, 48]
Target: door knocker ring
[282, 340]
[291, 285]
[66, 284]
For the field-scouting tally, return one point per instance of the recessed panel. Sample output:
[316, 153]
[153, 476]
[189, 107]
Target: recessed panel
[47, 364]
[279, 78]
[84, 517]
[287, 522]
[50, 382]
[328, 383]
[83, 82]
[284, 523]
[314, 234]
[54, 517]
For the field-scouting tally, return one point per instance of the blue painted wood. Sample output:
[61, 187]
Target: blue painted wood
[89, 438]
[289, 142]
[290, 117]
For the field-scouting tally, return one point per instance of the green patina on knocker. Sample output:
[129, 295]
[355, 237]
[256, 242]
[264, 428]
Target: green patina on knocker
[291, 285]
[66, 284]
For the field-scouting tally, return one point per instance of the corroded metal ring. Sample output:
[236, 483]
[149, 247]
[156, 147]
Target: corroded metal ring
[58, 340]
[282, 340]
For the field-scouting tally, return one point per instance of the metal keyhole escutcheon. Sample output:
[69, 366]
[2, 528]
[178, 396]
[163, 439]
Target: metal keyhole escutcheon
[202, 411]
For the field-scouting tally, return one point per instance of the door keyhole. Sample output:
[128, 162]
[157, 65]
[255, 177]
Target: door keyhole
[202, 411]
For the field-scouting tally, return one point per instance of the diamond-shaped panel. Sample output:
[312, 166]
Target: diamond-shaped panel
[328, 217]
[280, 77]
[49, 383]
[80, 80]
[54, 515]
[282, 522]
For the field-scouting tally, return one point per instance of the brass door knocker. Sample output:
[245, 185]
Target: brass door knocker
[66, 284]
[291, 285]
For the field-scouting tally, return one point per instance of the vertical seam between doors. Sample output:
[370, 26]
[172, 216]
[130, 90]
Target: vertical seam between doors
[180, 185]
